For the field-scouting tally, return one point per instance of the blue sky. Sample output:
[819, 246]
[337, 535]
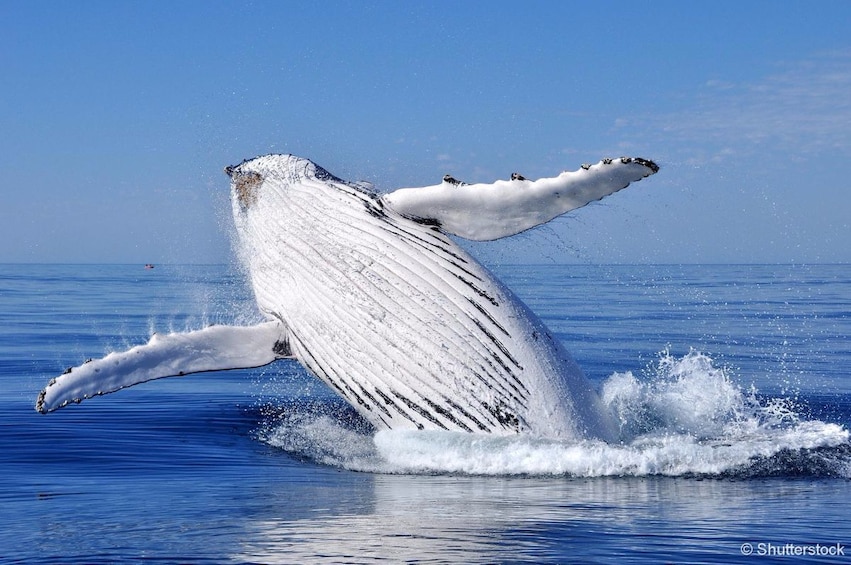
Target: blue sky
[116, 119]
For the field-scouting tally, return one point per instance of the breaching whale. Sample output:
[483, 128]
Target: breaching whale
[371, 294]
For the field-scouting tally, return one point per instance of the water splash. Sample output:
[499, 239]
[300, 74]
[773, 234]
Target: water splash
[690, 396]
[683, 417]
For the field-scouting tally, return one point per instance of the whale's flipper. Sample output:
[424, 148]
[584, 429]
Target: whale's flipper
[484, 212]
[212, 349]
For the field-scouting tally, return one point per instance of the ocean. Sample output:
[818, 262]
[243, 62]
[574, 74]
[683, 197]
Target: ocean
[731, 385]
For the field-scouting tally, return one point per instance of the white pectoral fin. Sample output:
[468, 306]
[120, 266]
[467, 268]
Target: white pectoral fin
[214, 348]
[485, 212]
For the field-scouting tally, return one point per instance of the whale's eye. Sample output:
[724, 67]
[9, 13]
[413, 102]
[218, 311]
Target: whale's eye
[245, 185]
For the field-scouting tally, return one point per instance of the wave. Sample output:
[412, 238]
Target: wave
[683, 417]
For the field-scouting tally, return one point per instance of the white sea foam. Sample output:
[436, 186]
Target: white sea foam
[684, 416]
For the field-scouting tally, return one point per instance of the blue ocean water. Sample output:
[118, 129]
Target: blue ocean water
[731, 384]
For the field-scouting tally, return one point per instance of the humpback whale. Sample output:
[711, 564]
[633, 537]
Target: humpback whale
[371, 294]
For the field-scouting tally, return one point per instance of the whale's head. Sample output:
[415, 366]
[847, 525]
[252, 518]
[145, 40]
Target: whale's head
[279, 178]
[273, 191]
[290, 213]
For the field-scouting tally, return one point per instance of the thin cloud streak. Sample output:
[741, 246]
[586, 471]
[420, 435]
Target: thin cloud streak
[803, 109]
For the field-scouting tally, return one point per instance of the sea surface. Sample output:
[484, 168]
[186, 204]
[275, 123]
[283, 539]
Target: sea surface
[731, 384]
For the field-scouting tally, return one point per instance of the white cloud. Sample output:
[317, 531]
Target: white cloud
[803, 108]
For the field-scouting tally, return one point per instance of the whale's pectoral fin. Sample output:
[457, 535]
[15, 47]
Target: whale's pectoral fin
[490, 211]
[215, 348]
